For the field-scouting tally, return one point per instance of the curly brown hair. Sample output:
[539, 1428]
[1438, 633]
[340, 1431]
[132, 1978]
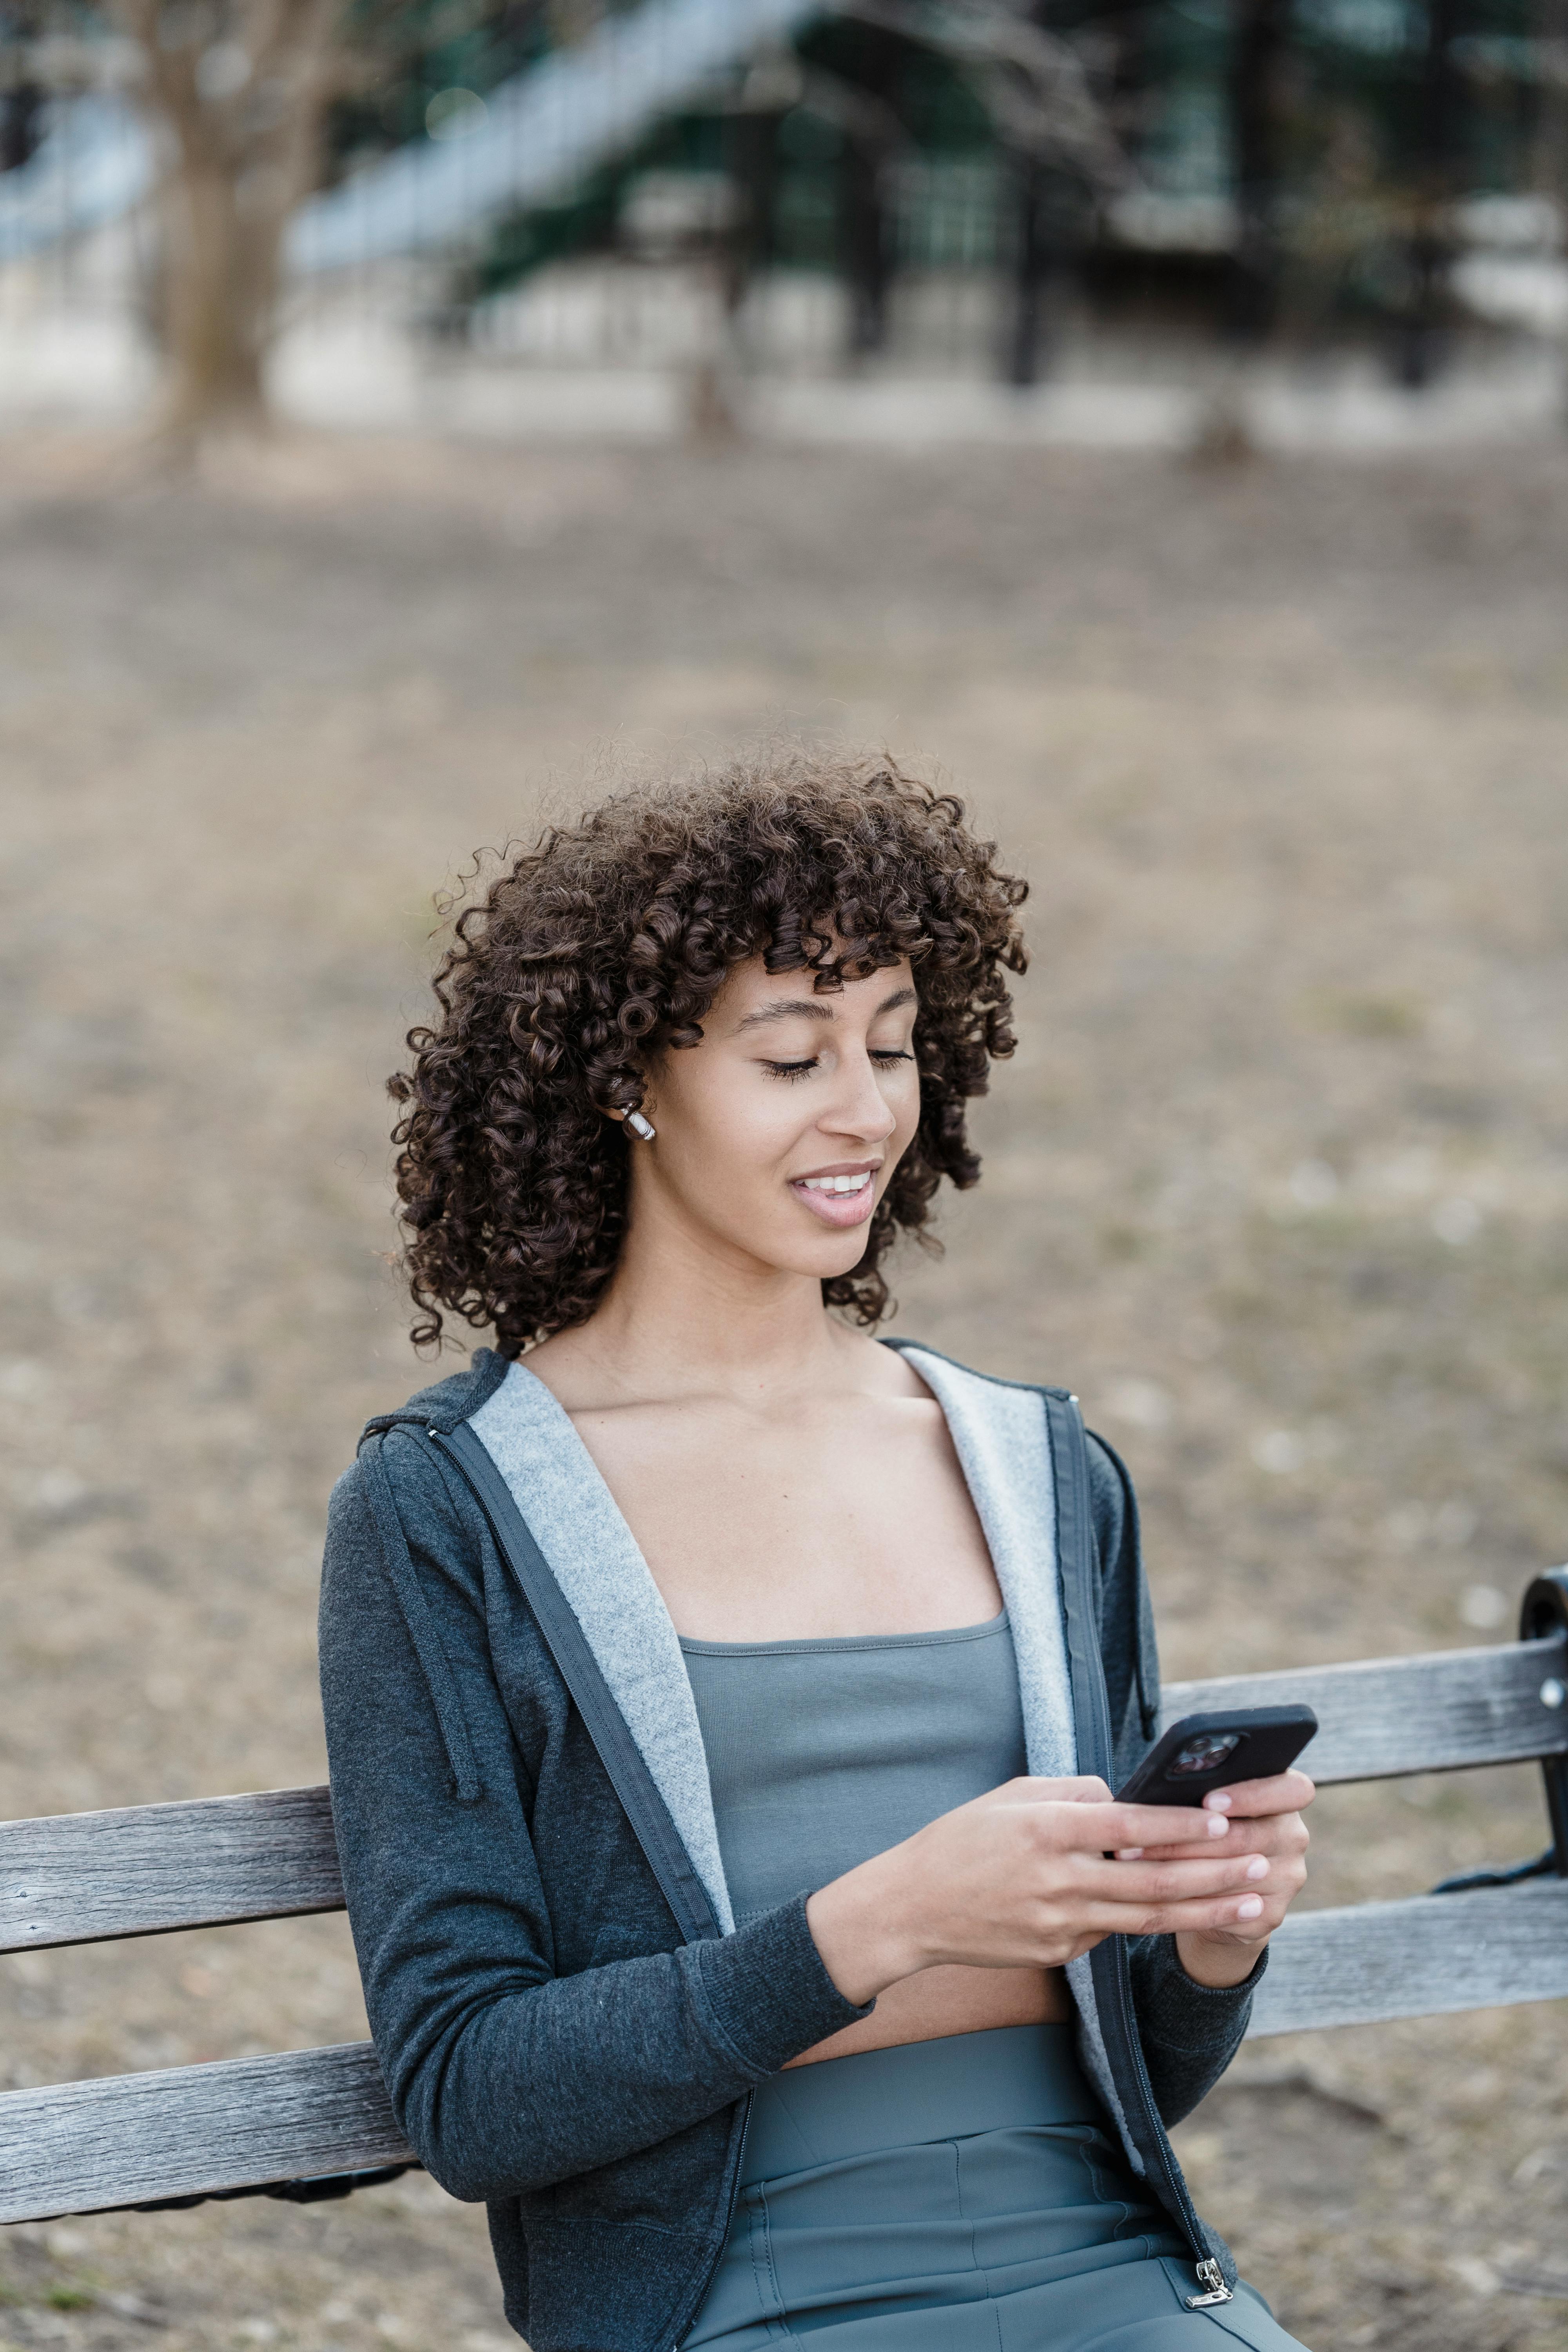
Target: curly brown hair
[594, 951]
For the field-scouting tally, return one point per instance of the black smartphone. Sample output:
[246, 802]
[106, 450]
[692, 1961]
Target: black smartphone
[1209, 1752]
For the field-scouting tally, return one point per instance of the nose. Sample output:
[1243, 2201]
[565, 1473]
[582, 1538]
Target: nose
[860, 1108]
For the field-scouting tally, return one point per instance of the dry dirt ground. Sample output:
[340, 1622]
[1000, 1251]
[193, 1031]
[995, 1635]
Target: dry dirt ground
[1277, 1180]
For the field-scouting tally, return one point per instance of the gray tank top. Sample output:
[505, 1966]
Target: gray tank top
[823, 1753]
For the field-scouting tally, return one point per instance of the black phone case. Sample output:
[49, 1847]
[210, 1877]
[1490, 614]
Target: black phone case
[1271, 1737]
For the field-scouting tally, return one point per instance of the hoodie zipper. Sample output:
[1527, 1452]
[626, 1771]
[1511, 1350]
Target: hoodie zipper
[1211, 2276]
[1090, 1706]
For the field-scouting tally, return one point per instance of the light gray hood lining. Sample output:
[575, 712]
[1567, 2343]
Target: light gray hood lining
[1003, 1445]
[596, 1559]
[1004, 1450]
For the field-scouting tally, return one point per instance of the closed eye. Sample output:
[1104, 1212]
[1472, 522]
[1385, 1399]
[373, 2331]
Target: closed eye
[881, 1055]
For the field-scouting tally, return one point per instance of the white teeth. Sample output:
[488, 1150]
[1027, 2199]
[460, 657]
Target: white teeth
[836, 1183]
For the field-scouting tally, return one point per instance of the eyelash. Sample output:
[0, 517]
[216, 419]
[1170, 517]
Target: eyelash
[804, 1069]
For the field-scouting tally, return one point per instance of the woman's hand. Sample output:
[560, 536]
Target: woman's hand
[1266, 1820]
[1034, 1873]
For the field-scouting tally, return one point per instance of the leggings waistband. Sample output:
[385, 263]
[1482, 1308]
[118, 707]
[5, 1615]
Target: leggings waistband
[1011, 2078]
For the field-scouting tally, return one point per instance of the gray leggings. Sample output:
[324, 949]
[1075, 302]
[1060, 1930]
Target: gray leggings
[955, 2196]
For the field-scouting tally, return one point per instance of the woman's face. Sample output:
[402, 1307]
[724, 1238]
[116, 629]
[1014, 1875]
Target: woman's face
[780, 1132]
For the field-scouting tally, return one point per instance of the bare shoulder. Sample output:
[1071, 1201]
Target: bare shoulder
[575, 1371]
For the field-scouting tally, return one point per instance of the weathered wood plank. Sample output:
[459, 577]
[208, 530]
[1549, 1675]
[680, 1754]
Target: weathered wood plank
[1424, 1958]
[1435, 1714]
[78, 2148]
[142, 1870]
[80, 1878]
[189, 2131]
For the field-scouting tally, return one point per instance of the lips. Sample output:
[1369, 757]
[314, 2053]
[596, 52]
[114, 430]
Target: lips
[838, 1196]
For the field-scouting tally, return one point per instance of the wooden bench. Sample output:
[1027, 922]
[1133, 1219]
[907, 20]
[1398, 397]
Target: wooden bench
[312, 2123]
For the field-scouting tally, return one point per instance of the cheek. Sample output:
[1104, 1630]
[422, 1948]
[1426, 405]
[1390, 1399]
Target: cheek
[734, 1133]
[906, 1109]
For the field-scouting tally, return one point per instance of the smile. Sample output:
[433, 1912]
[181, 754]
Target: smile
[839, 1196]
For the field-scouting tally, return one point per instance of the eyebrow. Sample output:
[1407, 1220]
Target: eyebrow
[816, 1008]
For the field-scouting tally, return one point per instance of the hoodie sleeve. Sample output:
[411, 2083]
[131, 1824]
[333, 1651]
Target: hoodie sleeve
[1190, 2032]
[504, 2076]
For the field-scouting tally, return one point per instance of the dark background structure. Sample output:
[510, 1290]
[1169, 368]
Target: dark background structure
[1309, 176]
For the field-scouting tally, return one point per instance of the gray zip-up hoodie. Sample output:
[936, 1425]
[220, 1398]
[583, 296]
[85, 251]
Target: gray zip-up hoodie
[568, 2022]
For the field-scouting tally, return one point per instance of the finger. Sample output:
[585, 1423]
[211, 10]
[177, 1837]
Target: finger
[1206, 1915]
[1234, 1845]
[1275, 1833]
[1281, 1792]
[1114, 1826]
[1074, 1788]
[1170, 1881]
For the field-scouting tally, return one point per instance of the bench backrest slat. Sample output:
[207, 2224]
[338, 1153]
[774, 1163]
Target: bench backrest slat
[82, 1879]
[1439, 1713]
[187, 2131]
[142, 1870]
[1426, 1957]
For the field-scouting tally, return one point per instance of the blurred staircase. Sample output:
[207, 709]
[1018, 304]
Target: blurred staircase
[536, 136]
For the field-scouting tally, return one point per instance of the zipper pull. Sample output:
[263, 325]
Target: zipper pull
[1212, 2278]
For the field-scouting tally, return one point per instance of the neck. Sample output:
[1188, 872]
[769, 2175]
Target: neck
[683, 1315]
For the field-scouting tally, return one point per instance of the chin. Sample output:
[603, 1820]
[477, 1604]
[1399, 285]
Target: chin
[828, 1265]
[824, 1255]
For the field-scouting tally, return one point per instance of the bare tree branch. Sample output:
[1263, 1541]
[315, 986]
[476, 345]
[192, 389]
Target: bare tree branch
[1032, 82]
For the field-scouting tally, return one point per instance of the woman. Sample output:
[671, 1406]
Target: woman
[723, 1706]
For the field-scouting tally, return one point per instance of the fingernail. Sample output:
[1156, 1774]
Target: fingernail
[1218, 1801]
[1218, 1825]
[1259, 1867]
[1249, 1907]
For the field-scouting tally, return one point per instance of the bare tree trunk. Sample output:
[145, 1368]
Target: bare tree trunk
[1261, 34]
[872, 134]
[1424, 339]
[1031, 260]
[221, 278]
[1550, 172]
[237, 92]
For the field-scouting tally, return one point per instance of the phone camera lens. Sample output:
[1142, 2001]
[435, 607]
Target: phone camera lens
[1202, 1754]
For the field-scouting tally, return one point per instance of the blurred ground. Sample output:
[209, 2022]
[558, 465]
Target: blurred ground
[1277, 1181]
